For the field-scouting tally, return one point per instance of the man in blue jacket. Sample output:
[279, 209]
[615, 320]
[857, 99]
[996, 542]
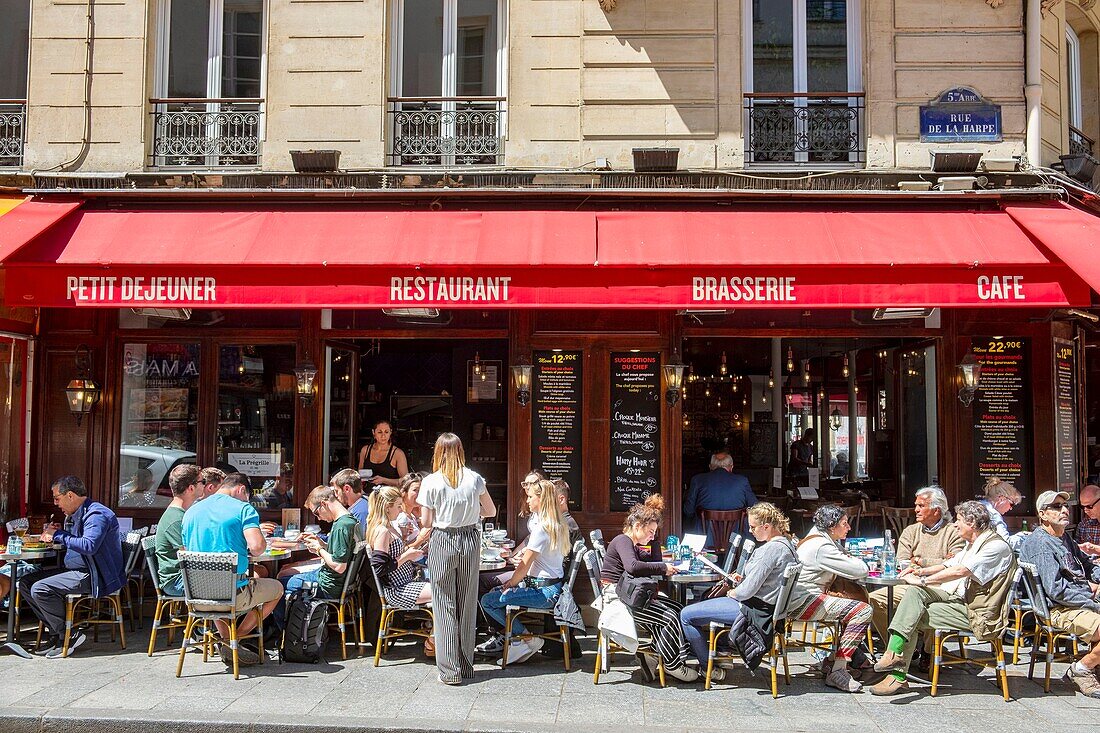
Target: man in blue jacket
[719, 490]
[93, 561]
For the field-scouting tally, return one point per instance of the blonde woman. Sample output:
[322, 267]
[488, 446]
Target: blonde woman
[391, 557]
[408, 519]
[454, 500]
[758, 589]
[537, 580]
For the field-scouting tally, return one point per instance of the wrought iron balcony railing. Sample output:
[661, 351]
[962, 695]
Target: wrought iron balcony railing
[445, 131]
[1079, 142]
[804, 128]
[13, 121]
[207, 133]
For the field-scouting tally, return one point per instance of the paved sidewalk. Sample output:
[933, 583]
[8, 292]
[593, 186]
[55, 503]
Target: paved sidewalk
[100, 689]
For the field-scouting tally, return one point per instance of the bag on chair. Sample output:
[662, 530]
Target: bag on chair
[306, 627]
[636, 593]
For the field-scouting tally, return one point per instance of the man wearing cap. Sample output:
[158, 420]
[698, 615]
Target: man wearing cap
[1071, 582]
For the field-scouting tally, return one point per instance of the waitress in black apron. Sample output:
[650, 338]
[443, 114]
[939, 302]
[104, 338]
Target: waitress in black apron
[385, 459]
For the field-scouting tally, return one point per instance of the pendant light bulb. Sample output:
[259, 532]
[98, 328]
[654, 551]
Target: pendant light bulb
[844, 370]
[723, 369]
[805, 372]
[771, 378]
[790, 359]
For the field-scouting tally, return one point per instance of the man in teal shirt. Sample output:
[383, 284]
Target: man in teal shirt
[226, 522]
[185, 482]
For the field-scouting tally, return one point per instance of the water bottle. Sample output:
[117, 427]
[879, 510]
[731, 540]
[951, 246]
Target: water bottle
[685, 552]
[11, 545]
[672, 544]
[889, 559]
[15, 545]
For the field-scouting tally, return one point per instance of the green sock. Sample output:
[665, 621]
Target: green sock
[899, 676]
[896, 643]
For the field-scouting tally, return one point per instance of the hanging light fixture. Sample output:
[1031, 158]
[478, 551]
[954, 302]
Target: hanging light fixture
[674, 380]
[521, 378]
[477, 362]
[304, 375]
[970, 370]
[82, 393]
[722, 367]
[790, 359]
[834, 419]
[821, 394]
[736, 379]
[844, 368]
[764, 395]
[805, 372]
[771, 379]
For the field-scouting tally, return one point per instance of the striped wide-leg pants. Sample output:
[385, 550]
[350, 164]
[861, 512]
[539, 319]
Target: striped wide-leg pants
[454, 559]
[661, 620]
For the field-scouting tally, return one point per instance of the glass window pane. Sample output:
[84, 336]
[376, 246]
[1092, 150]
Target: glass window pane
[160, 398]
[14, 48]
[476, 48]
[773, 46]
[242, 25]
[188, 43]
[256, 392]
[827, 45]
[422, 49]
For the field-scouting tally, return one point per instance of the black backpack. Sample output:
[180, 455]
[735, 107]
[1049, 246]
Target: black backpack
[306, 627]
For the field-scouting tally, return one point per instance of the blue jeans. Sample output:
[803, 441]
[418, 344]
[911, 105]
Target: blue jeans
[175, 590]
[291, 584]
[495, 601]
[697, 616]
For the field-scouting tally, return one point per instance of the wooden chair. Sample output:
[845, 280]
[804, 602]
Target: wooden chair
[855, 514]
[872, 513]
[1047, 635]
[720, 525]
[522, 613]
[896, 519]
[604, 646]
[165, 604]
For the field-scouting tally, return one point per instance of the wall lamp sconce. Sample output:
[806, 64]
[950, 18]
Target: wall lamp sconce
[834, 419]
[82, 393]
[521, 378]
[970, 370]
[304, 375]
[674, 381]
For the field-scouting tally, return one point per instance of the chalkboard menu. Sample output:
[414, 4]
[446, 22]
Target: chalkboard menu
[764, 443]
[1002, 410]
[635, 427]
[556, 425]
[1065, 414]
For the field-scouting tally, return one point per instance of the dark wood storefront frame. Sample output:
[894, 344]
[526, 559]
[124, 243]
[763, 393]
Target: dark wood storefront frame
[91, 450]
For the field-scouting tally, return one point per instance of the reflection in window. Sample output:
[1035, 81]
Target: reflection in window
[160, 397]
[256, 389]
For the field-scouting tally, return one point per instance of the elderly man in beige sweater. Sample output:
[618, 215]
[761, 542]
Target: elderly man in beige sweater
[927, 542]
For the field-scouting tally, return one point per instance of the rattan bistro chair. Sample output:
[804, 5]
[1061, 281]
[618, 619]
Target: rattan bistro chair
[1047, 635]
[896, 519]
[523, 613]
[780, 616]
[83, 609]
[209, 586]
[133, 571]
[347, 606]
[604, 646]
[166, 605]
[388, 629]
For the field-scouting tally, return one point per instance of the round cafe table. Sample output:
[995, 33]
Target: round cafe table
[887, 582]
[33, 556]
[679, 582]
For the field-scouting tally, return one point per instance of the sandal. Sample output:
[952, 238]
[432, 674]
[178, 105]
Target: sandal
[429, 647]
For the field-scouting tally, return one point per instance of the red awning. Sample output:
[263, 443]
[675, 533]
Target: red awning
[28, 219]
[1071, 235]
[857, 256]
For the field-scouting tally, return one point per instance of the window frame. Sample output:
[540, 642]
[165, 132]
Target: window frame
[1074, 107]
[800, 59]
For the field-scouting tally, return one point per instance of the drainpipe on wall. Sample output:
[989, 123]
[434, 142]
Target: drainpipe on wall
[1033, 81]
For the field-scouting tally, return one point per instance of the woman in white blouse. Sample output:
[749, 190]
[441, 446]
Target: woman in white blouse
[454, 500]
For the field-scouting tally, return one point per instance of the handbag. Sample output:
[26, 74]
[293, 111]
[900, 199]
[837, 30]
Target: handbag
[845, 588]
[635, 592]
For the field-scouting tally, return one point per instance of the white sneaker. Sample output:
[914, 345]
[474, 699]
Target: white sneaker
[519, 651]
[683, 673]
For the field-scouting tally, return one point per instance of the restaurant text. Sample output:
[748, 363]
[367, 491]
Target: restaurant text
[452, 289]
[745, 289]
